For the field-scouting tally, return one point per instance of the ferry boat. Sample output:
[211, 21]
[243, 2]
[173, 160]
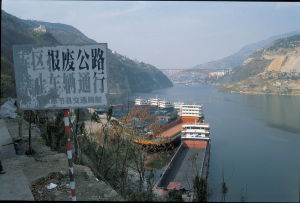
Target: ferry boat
[141, 102]
[177, 105]
[191, 113]
[165, 104]
[154, 101]
[195, 135]
[190, 160]
[170, 135]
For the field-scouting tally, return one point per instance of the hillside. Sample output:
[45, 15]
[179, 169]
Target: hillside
[274, 69]
[127, 76]
[65, 34]
[237, 58]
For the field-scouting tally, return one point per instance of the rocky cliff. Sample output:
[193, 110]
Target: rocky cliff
[274, 69]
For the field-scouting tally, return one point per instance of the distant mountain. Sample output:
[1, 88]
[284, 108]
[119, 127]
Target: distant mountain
[126, 75]
[272, 69]
[237, 58]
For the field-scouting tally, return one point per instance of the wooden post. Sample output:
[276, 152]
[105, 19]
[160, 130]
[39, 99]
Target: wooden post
[20, 122]
[29, 134]
[69, 153]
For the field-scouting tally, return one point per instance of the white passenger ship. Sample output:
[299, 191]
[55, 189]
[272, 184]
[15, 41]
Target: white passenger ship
[140, 102]
[177, 105]
[199, 131]
[154, 101]
[190, 113]
[165, 104]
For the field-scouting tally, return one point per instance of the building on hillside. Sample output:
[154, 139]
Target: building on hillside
[41, 28]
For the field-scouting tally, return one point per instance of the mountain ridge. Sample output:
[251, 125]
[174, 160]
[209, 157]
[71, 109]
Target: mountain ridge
[127, 75]
[273, 69]
[238, 57]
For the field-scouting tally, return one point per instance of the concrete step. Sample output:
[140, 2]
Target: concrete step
[7, 149]
[7, 152]
[5, 137]
[13, 184]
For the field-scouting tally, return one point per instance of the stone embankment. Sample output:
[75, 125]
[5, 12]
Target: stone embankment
[269, 82]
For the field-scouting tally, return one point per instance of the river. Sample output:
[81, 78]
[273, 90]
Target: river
[255, 141]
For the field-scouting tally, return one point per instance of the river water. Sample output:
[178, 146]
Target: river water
[255, 141]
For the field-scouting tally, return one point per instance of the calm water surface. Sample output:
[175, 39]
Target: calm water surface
[255, 140]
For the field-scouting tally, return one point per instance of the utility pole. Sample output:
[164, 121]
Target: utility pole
[299, 191]
[1, 77]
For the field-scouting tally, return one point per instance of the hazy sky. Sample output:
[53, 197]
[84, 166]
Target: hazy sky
[167, 34]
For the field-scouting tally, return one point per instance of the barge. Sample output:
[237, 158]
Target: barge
[190, 159]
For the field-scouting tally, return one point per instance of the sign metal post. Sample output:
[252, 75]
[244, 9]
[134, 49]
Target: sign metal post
[69, 153]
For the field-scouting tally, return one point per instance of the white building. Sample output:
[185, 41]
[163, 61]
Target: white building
[41, 28]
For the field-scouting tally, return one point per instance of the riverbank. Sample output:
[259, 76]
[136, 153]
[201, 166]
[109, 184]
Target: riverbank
[269, 83]
[251, 92]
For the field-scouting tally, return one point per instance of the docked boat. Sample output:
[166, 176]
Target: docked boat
[165, 104]
[177, 105]
[141, 102]
[170, 135]
[195, 135]
[154, 101]
[190, 160]
[191, 113]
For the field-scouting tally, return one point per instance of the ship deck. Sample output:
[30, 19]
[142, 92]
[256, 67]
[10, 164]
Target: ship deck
[169, 134]
[184, 167]
[171, 131]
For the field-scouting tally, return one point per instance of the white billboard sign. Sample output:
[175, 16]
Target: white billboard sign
[60, 77]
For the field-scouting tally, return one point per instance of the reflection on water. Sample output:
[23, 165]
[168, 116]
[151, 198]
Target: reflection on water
[255, 141]
[281, 112]
[116, 99]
